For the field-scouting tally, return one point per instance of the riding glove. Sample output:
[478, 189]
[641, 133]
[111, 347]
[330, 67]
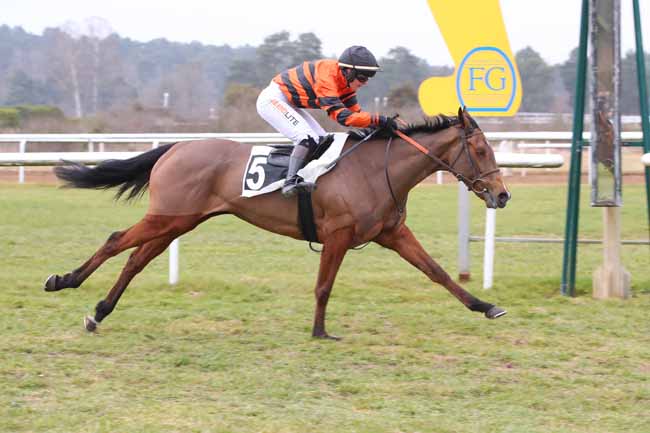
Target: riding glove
[386, 122]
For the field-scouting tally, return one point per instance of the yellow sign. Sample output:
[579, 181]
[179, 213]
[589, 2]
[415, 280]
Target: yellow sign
[485, 78]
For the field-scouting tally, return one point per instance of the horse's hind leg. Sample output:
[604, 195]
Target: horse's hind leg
[136, 263]
[334, 249]
[150, 227]
[407, 246]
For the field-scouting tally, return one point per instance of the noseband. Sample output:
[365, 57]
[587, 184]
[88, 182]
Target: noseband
[472, 183]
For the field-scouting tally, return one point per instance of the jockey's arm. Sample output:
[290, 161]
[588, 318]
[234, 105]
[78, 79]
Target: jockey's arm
[348, 116]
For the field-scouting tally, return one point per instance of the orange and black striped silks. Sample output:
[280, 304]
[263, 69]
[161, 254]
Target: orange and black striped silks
[321, 84]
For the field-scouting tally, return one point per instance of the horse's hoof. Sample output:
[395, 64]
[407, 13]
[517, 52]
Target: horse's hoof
[495, 312]
[90, 324]
[50, 283]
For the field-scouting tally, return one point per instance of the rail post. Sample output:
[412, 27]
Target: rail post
[22, 148]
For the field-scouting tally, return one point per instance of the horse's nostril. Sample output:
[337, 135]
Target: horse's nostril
[503, 198]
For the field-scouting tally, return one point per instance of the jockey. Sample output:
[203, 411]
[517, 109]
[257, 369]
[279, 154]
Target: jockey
[327, 84]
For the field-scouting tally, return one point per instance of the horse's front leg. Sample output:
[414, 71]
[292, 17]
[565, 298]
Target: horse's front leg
[334, 249]
[402, 240]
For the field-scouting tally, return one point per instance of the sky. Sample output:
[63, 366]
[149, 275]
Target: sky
[550, 27]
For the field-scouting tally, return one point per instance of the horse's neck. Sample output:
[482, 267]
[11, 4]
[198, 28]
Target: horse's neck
[409, 166]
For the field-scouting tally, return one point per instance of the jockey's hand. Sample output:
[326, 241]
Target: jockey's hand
[388, 123]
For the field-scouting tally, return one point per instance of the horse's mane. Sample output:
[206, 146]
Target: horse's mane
[430, 125]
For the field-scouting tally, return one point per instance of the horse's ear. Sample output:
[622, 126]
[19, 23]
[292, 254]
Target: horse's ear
[461, 116]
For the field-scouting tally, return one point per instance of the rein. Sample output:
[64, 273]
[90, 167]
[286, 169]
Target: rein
[477, 175]
[354, 146]
[400, 209]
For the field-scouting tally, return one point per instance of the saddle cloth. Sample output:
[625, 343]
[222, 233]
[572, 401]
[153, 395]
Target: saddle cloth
[265, 173]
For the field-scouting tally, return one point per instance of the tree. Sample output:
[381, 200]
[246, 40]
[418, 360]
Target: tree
[537, 81]
[273, 56]
[64, 61]
[403, 96]
[187, 86]
[243, 71]
[568, 72]
[22, 89]
[399, 68]
[629, 83]
[307, 47]
[238, 112]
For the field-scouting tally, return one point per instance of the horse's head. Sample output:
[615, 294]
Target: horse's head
[472, 159]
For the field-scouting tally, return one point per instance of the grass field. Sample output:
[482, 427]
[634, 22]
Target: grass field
[228, 349]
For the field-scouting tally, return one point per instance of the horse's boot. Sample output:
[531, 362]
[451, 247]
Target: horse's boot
[297, 160]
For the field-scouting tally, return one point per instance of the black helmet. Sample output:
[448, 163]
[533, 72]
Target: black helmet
[360, 59]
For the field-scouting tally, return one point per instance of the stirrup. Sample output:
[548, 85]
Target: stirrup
[296, 184]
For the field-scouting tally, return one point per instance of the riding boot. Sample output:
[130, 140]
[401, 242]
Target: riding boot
[293, 182]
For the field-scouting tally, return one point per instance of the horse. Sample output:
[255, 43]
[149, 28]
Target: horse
[361, 200]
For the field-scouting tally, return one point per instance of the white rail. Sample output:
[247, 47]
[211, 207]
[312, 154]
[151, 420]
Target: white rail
[503, 159]
[645, 159]
[15, 159]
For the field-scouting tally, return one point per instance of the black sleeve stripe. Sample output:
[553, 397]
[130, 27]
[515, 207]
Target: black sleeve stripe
[351, 102]
[308, 88]
[335, 107]
[343, 116]
[295, 98]
[312, 71]
[329, 100]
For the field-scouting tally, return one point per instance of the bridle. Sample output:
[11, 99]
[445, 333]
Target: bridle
[472, 183]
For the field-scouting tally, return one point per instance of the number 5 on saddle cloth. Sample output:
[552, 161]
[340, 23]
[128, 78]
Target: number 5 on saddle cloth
[267, 165]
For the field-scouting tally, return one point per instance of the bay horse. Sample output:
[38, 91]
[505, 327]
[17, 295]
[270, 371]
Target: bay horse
[361, 200]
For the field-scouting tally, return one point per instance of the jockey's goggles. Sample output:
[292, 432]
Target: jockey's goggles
[363, 77]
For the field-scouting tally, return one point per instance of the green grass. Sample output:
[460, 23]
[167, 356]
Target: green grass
[228, 349]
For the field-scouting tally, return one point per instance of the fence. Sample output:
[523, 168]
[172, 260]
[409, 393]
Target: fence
[24, 158]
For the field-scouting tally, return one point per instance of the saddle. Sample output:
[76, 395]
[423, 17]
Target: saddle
[279, 156]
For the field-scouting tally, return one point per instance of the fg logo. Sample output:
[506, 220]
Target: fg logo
[486, 81]
[485, 77]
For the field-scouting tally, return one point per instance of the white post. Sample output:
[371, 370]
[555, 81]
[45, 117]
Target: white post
[101, 146]
[155, 144]
[173, 262]
[505, 147]
[22, 148]
[463, 232]
[439, 177]
[488, 254]
[91, 146]
[611, 279]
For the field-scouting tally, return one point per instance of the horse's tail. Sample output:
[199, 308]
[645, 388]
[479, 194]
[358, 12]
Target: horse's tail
[129, 174]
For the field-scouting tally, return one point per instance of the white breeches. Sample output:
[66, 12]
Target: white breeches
[294, 123]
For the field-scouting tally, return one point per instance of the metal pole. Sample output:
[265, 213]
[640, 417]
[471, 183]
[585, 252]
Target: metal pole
[173, 262]
[463, 232]
[573, 201]
[643, 96]
[488, 254]
[22, 148]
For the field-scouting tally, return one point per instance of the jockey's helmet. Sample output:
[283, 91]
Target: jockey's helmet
[358, 61]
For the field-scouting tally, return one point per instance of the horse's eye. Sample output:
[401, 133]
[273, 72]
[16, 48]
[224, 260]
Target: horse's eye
[480, 152]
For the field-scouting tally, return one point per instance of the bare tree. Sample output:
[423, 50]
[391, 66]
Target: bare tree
[86, 35]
